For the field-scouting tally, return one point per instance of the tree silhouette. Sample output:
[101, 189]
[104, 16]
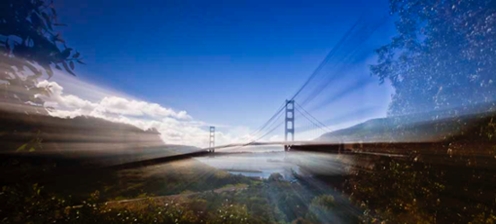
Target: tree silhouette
[443, 56]
[29, 48]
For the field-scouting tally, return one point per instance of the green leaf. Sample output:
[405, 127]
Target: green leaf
[66, 67]
[22, 147]
[49, 71]
[47, 20]
[65, 54]
[55, 37]
[7, 46]
[71, 64]
[54, 12]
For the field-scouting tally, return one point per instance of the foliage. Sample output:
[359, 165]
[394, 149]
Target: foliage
[322, 208]
[325, 201]
[275, 177]
[442, 61]
[259, 202]
[398, 191]
[35, 205]
[29, 46]
[32, 145]
[30, 204]
[442, 57]
[395, 191]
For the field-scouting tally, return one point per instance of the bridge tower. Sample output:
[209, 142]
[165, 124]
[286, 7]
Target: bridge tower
[212, 139]
[289, 122]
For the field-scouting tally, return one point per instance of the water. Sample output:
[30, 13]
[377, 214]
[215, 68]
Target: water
[260, 165]
[261, 162]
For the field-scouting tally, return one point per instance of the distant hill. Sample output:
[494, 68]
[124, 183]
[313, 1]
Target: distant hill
[417, 128]
[81, 137]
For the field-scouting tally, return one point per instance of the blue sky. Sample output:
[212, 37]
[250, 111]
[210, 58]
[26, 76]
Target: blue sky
[225, 62]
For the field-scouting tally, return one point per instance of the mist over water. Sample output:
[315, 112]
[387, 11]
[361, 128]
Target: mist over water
[263, 161]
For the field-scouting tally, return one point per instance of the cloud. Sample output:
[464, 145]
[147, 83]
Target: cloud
[110, 104]
[124, 106]
[57, 100]
[175, 127]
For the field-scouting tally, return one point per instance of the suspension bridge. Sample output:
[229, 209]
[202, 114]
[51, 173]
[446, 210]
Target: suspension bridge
[340, 59]
[289, 142]
[348, 51]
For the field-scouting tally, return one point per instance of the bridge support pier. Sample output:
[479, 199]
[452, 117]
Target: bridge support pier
[289, 123]
[287, 148]
[212, 139]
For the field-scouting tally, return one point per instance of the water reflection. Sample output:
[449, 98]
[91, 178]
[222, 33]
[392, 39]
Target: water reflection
[254, 164]
[262, 161]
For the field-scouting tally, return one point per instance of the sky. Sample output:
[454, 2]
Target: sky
[230, 64]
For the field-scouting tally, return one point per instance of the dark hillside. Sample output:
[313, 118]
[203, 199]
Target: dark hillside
[475, 127]
[81, 138]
